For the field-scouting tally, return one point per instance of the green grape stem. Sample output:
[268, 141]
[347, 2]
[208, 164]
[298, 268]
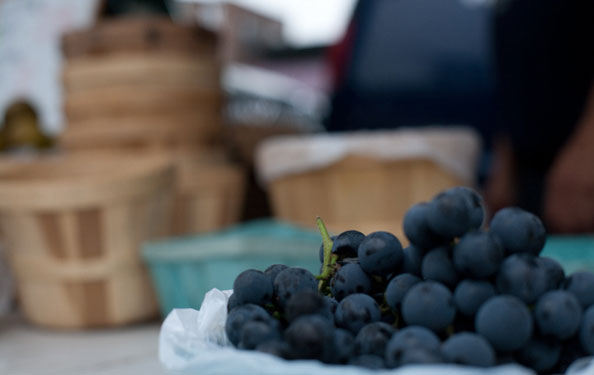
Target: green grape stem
[330, 259]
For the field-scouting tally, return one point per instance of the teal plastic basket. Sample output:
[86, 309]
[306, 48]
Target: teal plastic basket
[575, 253]
[184, 269]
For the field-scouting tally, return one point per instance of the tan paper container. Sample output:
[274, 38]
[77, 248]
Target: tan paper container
[364, 181]
[73, 226]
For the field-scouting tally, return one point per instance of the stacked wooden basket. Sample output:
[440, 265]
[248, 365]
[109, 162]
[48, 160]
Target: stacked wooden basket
[143, 106]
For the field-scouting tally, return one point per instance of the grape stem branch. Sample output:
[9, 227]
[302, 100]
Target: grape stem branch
[328, 267]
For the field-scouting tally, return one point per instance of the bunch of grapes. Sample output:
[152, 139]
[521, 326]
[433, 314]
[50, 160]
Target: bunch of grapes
[459, 293]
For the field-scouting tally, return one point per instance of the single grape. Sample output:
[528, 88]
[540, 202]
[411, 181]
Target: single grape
[519, 231]
[413, 258]
[505, 322]
[468, 349]
[344, 345]
[429, 304]
[232, 302]
[355, 311]
[332, 303]
[255, 333]
[253, 286]
[407, 338]
[478, 255]
[307, 302]
[398, 287]
[540, 354]
[350, 279]
[587, 330]
[241, 315]
[476, 204]
[416, 228]
[553, 270]
[438, 266]
[373, 338]
[581, 284]
[449, 214]
[521, 275]
[310, 337]
[291, 281]
[558, 313]
[470, 294]
[370, 361]
[347, 243]
[571, 350]
[274, 270]
[380, 253]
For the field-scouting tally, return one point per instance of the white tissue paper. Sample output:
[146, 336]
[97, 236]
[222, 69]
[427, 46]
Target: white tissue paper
[194, 342]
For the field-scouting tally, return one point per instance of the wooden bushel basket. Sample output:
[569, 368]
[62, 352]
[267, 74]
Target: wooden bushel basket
[73, 227]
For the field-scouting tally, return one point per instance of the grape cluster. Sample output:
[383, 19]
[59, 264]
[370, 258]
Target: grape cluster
[459, 293]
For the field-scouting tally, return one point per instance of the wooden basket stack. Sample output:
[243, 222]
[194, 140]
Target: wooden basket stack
[150, 85]
[143, 83]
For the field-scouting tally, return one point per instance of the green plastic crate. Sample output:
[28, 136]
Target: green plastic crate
[184, 269]
[575, 253]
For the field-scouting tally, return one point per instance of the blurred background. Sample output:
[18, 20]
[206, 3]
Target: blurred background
[151, 150]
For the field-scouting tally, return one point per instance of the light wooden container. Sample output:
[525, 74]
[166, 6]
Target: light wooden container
[73, 227]
[141, 83]
[359, 193]
[209, 193]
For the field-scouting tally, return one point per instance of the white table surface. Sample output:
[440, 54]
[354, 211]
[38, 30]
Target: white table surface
[29, 350]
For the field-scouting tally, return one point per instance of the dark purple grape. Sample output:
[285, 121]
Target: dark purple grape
[241, 315]
[520, 275]
[438, 266]
[476, 204]
[505, 322]
[586, 333]
[373, 338]
[470, 295]
[478, 255]
[274, 270]
[344, 345]
[253, 286]
[232, 302]
[581, 284]
[277, 348]
[332, 303]
[380, 253]
[449, 214]
[355, 311]
[416, 228]
[310, 337]
[571, 350]
[413, 258]
[369, 361]
[291, 281]
[398, 287]
[350, 279]
[347, 243]
[558, 314]
[307, 302]
[429, 304]
[468, 349]
[554, 272]
[255, 333]
[411, 337]
[540, 354]
[519, 231]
